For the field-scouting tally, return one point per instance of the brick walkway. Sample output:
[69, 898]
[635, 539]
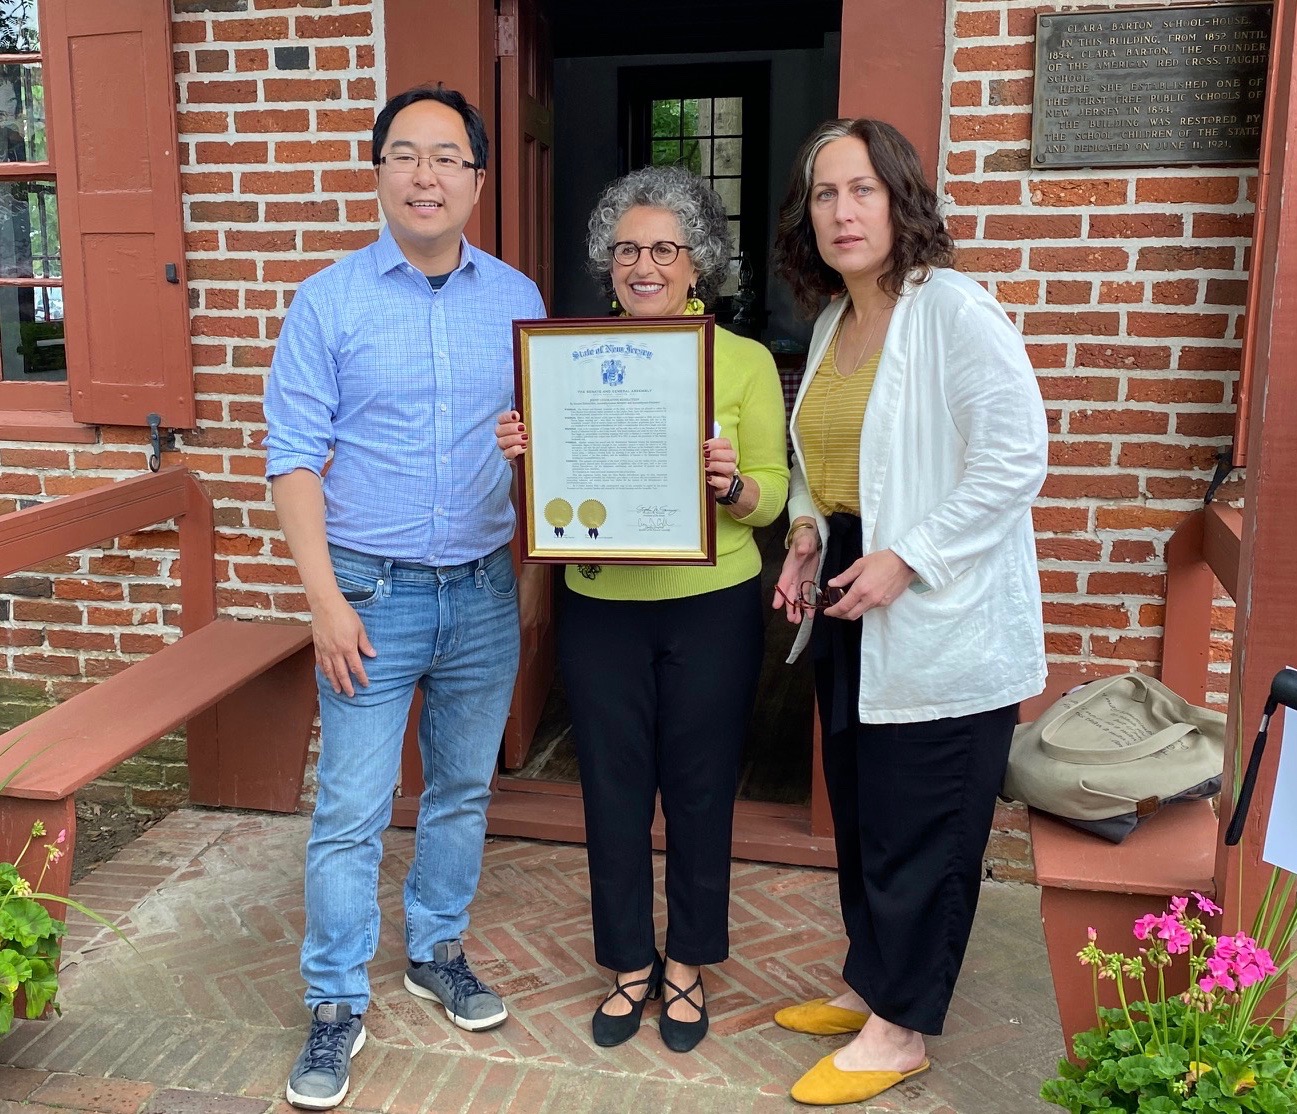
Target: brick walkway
[205, 1015]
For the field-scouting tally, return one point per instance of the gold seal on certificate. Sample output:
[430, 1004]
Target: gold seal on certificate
[617, 411]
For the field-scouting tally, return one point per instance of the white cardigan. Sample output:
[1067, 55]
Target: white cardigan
[952, 453]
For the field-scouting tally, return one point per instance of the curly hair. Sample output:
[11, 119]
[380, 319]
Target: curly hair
[701, 213]
[920, 240]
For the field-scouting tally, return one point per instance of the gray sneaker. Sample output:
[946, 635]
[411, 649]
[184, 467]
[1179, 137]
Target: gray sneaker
[322, 1074]
[448, 979]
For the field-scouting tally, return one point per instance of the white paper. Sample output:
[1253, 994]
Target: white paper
[1281, 830]
[624, 473]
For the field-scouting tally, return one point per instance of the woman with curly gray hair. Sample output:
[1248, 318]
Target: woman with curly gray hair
[660, 663]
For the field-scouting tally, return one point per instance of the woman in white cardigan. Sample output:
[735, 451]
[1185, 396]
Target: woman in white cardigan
[920, 442]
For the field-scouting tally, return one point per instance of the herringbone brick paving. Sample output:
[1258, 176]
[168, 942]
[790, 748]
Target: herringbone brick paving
[204, 1014]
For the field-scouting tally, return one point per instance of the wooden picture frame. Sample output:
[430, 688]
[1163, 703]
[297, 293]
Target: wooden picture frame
[616, 410]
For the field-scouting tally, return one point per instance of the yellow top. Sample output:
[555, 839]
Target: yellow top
[828, 424]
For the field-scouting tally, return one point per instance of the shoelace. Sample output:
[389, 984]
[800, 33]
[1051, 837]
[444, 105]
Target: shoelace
[461, 978]
[326, 1044]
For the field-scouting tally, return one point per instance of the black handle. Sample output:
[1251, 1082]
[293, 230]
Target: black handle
[172, 273]
[1283, 690]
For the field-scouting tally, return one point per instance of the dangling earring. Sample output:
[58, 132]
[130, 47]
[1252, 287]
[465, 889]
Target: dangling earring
[615, 308]
[694, 306]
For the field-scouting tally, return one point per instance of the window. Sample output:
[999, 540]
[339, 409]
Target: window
[31, 273]
[714, 120]
[705, 135]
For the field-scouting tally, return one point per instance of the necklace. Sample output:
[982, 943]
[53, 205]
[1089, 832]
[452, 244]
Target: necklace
[849, 368]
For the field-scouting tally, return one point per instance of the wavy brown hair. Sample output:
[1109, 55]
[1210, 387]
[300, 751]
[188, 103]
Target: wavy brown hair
[920, 240]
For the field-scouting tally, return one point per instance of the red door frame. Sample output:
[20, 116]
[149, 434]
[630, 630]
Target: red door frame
[895, 78]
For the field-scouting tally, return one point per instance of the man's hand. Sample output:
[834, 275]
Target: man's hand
[340, 642]
[873, 581]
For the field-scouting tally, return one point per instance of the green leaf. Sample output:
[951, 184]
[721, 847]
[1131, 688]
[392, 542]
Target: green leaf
[25, 921]
[1124, 1040]
[40, 987]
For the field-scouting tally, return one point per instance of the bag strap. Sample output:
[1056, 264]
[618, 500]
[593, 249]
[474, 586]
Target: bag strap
[1113, 756]
[1109, 756]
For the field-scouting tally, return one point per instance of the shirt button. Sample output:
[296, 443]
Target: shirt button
[441, 355]
[445, 458]
[441, 511]
[443, 407]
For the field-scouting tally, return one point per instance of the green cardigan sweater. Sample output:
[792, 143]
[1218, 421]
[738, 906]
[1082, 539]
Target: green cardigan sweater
[750, 409]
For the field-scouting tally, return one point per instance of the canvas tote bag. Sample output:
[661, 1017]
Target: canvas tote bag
[1111, 753]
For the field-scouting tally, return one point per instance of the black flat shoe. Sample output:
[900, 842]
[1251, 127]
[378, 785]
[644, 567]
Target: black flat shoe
[682, 1036]
[610, 1029]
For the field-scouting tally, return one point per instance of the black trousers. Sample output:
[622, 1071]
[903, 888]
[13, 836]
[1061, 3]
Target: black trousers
[661, 694]
[912, 808]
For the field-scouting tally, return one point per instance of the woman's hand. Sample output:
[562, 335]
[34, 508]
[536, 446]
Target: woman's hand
[873, 581]
[720, 462]
[511, 435]
[801, 565]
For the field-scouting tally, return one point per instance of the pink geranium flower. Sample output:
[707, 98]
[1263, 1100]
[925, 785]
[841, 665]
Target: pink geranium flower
[1206, 905]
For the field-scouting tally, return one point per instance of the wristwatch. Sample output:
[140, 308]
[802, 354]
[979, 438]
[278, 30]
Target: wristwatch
[732, 495]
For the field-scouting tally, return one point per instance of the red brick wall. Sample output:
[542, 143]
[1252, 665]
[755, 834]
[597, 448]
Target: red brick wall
[1129, 287]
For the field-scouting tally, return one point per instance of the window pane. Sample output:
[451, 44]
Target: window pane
[705, 117]
[729, 156]
[729, 116]
[29, 231]
[666, 153]
[692, 157]
[735, 245]
[728, 188]
[22, 113]
[690, 113]
[19, 31]
[31, 334]
[731, 284]
[666, 119]
[704, 165]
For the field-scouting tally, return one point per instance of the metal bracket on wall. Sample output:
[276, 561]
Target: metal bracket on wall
[1224, 466]
[159, 440]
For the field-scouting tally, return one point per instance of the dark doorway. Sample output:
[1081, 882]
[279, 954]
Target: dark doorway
[735, 71]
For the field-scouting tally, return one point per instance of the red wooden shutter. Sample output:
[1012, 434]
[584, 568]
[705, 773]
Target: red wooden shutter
[112, 120]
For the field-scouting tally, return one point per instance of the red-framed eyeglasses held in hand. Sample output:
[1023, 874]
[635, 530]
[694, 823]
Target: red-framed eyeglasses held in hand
[812, 597]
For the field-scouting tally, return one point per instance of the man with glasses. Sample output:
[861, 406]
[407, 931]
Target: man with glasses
[397, 359]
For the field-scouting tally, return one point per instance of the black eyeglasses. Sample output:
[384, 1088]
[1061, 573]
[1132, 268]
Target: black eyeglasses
[439, 164]
[812, 597]
[664, 252]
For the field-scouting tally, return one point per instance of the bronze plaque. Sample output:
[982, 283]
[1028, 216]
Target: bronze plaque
[1150, 86]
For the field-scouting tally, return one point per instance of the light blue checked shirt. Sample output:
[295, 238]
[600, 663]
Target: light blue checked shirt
[403, 384]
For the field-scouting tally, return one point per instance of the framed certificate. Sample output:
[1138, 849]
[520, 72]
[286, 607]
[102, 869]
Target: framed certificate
[616, 412]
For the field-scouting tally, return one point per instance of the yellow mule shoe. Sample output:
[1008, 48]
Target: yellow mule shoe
[820, 1019]
[826, 1084]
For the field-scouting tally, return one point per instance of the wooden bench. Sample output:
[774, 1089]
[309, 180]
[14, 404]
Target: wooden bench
[245, 689]
[1086, 882]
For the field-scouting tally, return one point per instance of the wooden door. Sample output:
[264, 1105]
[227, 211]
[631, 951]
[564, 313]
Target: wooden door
[525, 140]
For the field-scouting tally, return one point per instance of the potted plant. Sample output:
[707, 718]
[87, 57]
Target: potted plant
[1214, 1048]
[29, 936]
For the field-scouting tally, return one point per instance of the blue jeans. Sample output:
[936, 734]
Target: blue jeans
[453, 632]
